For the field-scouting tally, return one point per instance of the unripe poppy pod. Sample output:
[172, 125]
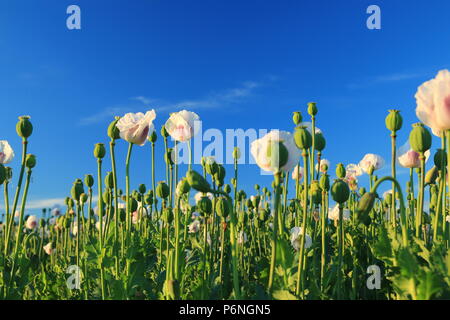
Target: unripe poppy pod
[109, 180]
[77, 189]
[297, 117]
[220, 173]
[319, 141]
[340, 191]
[211, 167]
[168, 215]
[113, 131]
[153, 137]
[227, 188]
[249, 204]
[431, 175]
[148, 199]
[183, 186]
[263, 215]
[312, 109]
[133, 204]
[197, 181]
[302, 138]
[223, 207]
[365, 205]
[440, 159]
[89, 180]
[2, 174]
[420, 138]
[394, 120]
[168, 157]
[340, 171]
[83, 198]
[24, 127]
[30, 161]
[162, 190]
[204, 205]
[69, 202]
[142, 188]
[106, 196]
[99, 151]
[164, 132]
[316, 192]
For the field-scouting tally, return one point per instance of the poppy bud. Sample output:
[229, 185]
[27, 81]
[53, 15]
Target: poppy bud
[211, 166]
[183, 186]
[420, 138]
[312, 109]
[99, 151]
[340, 191]
[316, 192]
[24, 127]
[249, 204]
[162, 190]
[223, 207]
[133, 204]
[319, 141]
[302, 138]
[41, 223]
[197, 181]
[220, 173]
[168, 157]
[394, 120]
[440, 159]
[69, 202]
[153, 137]
[30, 161]
[2, 174]
[113, 131]
[83, 198]
[227, 188]
[297, 117]
[109, 180]
[9, 173]
[324, 182]
[106, 196]
[340, 171]
[77, 190]
[277, 154]
[204, 205]
[148, 198]
[365, 205]
[168, 215]
[164, 132]
[89, 180]
[257, 187]
[142, 188]
[236, 153]
[431, 175]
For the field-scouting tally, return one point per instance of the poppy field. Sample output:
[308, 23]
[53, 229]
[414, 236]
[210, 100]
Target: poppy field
[315, 233]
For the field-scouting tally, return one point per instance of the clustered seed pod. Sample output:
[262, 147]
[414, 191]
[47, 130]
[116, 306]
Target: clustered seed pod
[394, 120]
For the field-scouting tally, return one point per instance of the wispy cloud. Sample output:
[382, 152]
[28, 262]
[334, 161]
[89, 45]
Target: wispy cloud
[213, 100]
[384, 79]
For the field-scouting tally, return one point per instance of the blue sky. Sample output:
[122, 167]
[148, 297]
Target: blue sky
[238, 64]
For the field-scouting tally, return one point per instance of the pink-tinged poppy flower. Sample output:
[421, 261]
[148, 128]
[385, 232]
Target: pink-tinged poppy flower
[371, 162]
[6, 152]
[48, 248]
[31, 222]
[135, 127]
[183, 125]
[408, 158]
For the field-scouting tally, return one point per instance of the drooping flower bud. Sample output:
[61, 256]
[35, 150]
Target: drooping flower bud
[420, 138]
[340, 171]
[440, 159]
[302, 138]
[297, 117]
[89, 180]
[365, 205]
[24, 127]
[431, 175]
[319, 141]
[312, 109]
[223, 207]
[340, 191]
[197, 181]
[113, 131]
[30, 161]
[394, 120]
[183, 186]
[83, 198]
[162, 190]
[99, 151]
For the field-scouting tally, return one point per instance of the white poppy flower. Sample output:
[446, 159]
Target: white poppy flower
[31, 222]
[194, 226]
[48, 248]
[353, 170]
[135, 127]
[199, 195]
[260, 147]
[433, 103]
[447, 218]
[182, 125]
[334, 213]
[371, 160]
[296, 233]
[408, 158]
[6, 152]
[297, 173]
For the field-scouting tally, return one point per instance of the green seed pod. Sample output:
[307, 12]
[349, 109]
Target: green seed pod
[394, 120]
[113, 131]
[263, 214]
[83, 198]
[362, 191]
[227, 188]
[142, 188]
[42, 223]
[30, 161]
[249, 204]
[148, 199]
[257, 187]
[365, 205]
[256, 201]
[9, 173]
[242, 195]
[109, 180]
[324, 182]
[164, 132]
[220, 173]
[440, 159]
[99, 151]
[420, 138]
[168, 215]
[183, 186]
[312, 109]
[316, 192]
[204, 205]
[223, 207]
[106, 196]
[431, 175]
[89, 180]
[153, 137]
[2, 174]
[297, 117]
[162, 190]
[340, 171]
[69, 202]
[197, 181]
[277, 154]
[319, 141]
[340, 191]
[387, 200]
[77, 190]
[24, 127]
[236, 153]
[133, 204]
[302, 138]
